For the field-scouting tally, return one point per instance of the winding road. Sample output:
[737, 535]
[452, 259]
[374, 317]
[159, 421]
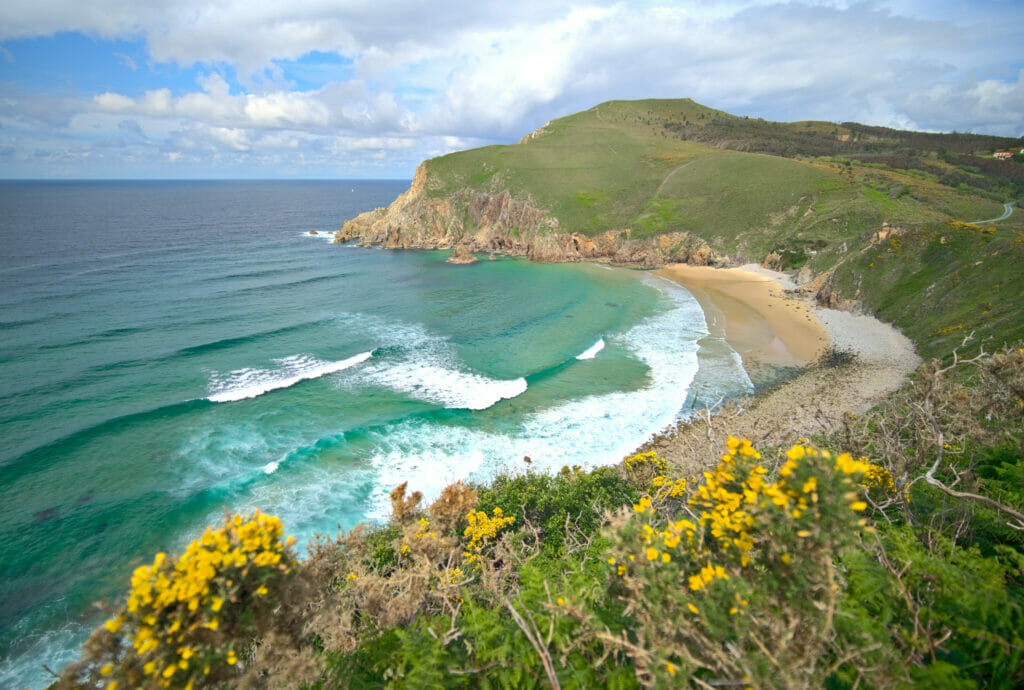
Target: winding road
[1007, 210]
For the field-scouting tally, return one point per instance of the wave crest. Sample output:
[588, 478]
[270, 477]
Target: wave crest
[444, 386]
[592, 351]
[250, 383]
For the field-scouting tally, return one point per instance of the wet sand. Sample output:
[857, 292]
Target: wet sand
[753, 313]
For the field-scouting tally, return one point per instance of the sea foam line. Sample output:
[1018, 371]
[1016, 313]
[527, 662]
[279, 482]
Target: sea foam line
[591, 351]
[443, 385]
[417, 363]
[249, 383]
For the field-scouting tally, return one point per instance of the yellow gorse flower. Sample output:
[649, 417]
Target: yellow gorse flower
[738, 508]
[170, 600]
[481, 530]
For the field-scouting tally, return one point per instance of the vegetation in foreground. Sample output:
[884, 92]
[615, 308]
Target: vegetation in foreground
[789, 567]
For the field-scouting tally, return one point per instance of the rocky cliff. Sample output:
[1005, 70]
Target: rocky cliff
[500, 223]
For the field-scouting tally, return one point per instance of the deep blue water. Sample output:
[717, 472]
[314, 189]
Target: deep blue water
[174, 349]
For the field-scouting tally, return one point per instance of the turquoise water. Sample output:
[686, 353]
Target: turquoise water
[171, 350]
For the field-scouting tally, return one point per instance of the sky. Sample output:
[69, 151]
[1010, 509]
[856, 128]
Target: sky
[193, 89]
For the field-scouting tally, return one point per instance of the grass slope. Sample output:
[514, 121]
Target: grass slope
[942, 282]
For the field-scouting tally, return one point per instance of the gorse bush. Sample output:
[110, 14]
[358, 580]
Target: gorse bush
[732, 579]
[554, 508]
[189, 619]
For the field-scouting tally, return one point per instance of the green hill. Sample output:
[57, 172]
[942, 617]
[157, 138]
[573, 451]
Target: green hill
[650, 182]
[627, 171]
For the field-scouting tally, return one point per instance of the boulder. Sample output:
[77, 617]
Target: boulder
[461, 255]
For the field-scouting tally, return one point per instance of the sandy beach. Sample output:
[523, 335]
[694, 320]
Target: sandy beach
[750, 307]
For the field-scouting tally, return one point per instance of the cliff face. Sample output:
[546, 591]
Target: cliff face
[499, 223]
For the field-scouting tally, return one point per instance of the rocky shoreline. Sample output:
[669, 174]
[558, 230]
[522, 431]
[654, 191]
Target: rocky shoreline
[501, 224]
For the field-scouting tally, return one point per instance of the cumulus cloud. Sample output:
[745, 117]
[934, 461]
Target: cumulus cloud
[253, 34]
[415, 76]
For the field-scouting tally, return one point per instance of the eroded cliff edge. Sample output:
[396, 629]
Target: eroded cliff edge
[499, 223]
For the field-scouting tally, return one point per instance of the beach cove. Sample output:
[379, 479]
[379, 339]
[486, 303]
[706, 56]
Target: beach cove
[762, 316]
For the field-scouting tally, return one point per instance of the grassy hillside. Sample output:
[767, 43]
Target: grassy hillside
[941, 282]
[659, 166]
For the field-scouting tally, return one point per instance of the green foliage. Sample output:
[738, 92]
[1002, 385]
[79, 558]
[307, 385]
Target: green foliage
[548, 502]
[943, 605]
[744, 185]
[381, 541]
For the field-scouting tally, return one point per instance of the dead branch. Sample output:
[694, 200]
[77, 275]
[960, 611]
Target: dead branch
[534, 638]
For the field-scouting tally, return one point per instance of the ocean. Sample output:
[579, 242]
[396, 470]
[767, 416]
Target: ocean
[174, 350]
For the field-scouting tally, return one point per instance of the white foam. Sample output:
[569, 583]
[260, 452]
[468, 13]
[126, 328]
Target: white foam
[249, 383]
[591, 351]
[56, 648]
[320, 235]
[444, 386]
[592, 431]
[426, 366]
[271, 467]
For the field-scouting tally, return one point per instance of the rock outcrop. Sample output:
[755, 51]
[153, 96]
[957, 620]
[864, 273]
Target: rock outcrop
[498, 223]
[461, 255]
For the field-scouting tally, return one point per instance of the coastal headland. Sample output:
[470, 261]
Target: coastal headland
[713, 201]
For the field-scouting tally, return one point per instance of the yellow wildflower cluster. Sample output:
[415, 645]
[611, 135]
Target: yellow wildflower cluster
[453, 576]
[448, 581]
[423, 531]
[736, 506]
[481, 530]
[643, 467]
[660, 543]
[727, 505]
[971, 227]
[665, 487]
[174, 607]
[710, 557]
[649, 459]
[877, 477]
[706, 575]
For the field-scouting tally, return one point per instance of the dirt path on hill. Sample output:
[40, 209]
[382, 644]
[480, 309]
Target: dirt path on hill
[657, 192]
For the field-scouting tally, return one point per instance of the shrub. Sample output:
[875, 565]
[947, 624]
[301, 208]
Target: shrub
[548, 505]
[834, 357]
[733, 579]
[192, 618]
